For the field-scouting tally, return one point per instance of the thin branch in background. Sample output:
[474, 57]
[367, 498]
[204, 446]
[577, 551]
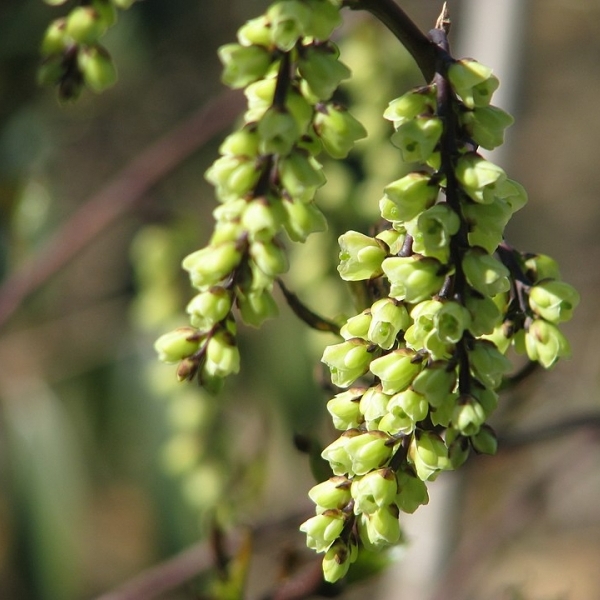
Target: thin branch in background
[117, 198]
[198, 559]
[166, 576]
[553, 431]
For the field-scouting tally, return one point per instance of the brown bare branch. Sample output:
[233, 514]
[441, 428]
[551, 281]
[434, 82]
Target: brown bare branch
[117, 198]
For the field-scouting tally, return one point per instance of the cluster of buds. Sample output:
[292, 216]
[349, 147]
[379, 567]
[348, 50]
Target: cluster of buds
[265, 179]
[421, 367]
[72, 56]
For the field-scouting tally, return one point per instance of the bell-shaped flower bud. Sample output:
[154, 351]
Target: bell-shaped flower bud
[322, 530]
[545, 343]
[458, 449]
[336, 454]
[260, 98]
[413, 278]
[209, 307]
[269, 257]
[222, 355]
[428, 454]
[388, 318]
[233, 176]
[485, 273]
[436, 382]
[502, 336]
[487, 223]
[256, 306]
[177, 344]
[468, 416]
[486, 125]
[324, 18]
[301, 109]
[377, 489]
[106, 10]
[485, 441]
[451, 321]
[360, 256]
[411, 403]
[262, 219]
[255, 32]
[396, 370]
[278, 131]
[334, 493]
[357, 326]
[320, 67]
[441, 415]
[417, 139]
[540, 267]
[407, 197]
[485, 314]
[347, 361]
[432, 231]
[55, 39]
[368, 451]
[373, 404]
[553, 300]
[479, 178]
[393, 239]
[422, 315]
[337, 560]
[412, 492]
[227, 227]
[243, 142]
[473, 82]
[300, 175]
[513, 193]
[380, 528]
[419, 102]
[97, 67]
[243, 64]
[302, 219]
[488, 364]
[288, 19]
[85, 25]
[210, 265]
[344, 409]
[338, 130]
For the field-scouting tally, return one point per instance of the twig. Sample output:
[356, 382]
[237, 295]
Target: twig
[166, 576]
[552, 431]
[117, 198]
[399, 23]
[192, 562]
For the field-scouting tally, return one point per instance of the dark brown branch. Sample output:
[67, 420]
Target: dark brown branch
[117, 198]
[397, 21]
[306, 315]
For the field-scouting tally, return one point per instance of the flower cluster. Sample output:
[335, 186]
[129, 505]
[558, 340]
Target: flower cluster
[420, 368]
[265, 178]
[72, 56]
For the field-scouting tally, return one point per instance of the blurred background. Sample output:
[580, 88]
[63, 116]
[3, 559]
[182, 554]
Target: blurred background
[108, 466]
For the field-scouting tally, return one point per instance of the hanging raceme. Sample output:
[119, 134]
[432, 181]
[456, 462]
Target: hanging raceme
[265, 179]
[424, 380]
[72, 56]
